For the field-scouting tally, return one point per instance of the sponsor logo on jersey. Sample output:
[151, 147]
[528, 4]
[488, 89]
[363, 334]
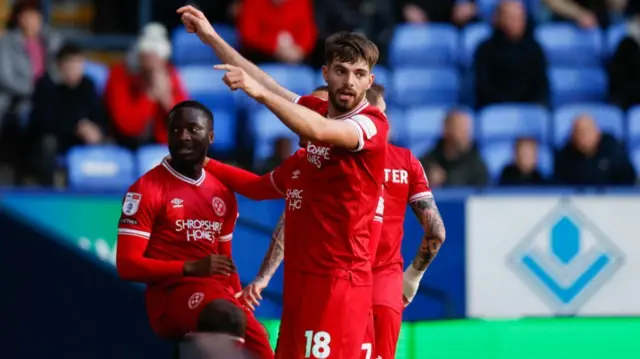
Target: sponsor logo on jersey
[177, 203]
[396, 176]
[316, 155]
[199, 229]
[131, 203]
[218, 206]
[294, 199]
[195, 300]
[129, 221]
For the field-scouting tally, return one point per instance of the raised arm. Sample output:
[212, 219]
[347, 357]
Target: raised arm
[272, 259]
[196, 22]
[243, 182]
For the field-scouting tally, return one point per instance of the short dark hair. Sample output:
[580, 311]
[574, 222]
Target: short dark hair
[193, 104]
[222, 316]
[68, 50]
[350, 47]
[374, 92]
[19, 7]
[321, 88]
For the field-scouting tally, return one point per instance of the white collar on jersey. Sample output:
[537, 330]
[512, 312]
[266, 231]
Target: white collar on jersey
[182, 177]
[355, 110]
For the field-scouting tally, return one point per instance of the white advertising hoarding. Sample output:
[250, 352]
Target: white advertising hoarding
[547, 256]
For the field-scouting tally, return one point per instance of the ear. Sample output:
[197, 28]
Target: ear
[211, 137]
[372, 79]
[325, 72]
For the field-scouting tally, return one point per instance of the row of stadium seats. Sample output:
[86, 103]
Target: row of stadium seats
[418, 128]
[444, 45]
[115, 168]
[406, 86]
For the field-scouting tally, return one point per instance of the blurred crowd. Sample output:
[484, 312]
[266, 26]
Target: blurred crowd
[48, 104]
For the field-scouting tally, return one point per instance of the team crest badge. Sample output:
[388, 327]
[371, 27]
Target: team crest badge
[218, 206]
[131, 203]
[195, 300]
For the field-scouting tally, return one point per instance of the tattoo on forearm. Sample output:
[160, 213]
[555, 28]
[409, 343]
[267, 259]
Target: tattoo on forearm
[434, 232]
[275, 253]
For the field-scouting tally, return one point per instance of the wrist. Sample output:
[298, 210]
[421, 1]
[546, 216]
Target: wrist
[187, 268]
[262, 279]
[413, 275]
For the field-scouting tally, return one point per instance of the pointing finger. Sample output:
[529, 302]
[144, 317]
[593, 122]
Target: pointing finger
[224, 67]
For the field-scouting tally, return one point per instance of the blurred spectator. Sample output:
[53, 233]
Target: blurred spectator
[510, 66]
[593, 158]
[624, 68]
[282, 149]
[140, 92]
[277, 30]
[523, 171]
[458, 12]
[27, 50]
[373, 18]
[66, 111]
[455, 160]
[586, 13]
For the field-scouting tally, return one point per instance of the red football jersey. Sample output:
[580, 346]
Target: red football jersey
[183, 219]
[331, 197]
[405, 181]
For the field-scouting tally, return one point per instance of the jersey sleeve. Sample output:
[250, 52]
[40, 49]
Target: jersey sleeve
[280, 174]
[244, 182]
[418, 182]
[139, 208]
[372, 128]
[310, 102]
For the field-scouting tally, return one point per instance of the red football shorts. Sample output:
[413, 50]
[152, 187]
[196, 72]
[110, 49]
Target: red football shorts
[322, 317]
[183, 304]
[387, 323]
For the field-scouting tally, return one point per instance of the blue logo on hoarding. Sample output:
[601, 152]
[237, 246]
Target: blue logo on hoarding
[565, 259]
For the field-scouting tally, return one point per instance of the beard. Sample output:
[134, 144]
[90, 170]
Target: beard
[345, 105]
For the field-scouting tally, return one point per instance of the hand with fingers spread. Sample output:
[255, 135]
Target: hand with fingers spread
[252, 294]
[236, 78]
[195, 22]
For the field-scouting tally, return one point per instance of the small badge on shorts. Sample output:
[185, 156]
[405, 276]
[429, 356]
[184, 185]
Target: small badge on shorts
[195, 300]
[218, 206]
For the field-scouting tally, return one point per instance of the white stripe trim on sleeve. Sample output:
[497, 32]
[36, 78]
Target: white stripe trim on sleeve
[367, 125]
[360, 135]
[226, 237]
[420, 195]
[296, 99]
[273, 183]
[377, 219]
[134, 232]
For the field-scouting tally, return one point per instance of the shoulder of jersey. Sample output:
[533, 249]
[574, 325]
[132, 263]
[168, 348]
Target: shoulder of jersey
[301, 152]
[373, 111]
[156, 175]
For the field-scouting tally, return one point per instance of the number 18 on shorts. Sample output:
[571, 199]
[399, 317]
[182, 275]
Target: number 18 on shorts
[318, 346]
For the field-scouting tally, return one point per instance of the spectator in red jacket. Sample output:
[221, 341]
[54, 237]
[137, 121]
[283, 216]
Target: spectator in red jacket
[277, 30]
[141, 91]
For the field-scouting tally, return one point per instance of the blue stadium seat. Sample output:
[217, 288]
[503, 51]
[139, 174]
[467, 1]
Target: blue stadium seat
[508, 122]
[609, 118]
[189, 50]
[499, 154]
[486, 9]
[98, 73]
[472, 36]
[577, 85]
[633, 126]
[225, 126]
[614, 35]
[100, 167]
[382, 76]
[413, 86]
[635, 157]
[266, 128]
[297, 78]
[397, 125]
[150, 156]
[424, 127]
[423, 45]
[205, 85]
[567, 45]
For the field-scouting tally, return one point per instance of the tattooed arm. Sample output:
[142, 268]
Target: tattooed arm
[434, 235]
[272, 259]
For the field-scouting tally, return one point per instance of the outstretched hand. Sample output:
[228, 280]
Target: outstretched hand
[195, 22]
[236, 78]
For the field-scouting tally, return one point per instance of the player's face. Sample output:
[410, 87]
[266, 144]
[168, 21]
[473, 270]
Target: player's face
[348, 83]
[190, 135]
